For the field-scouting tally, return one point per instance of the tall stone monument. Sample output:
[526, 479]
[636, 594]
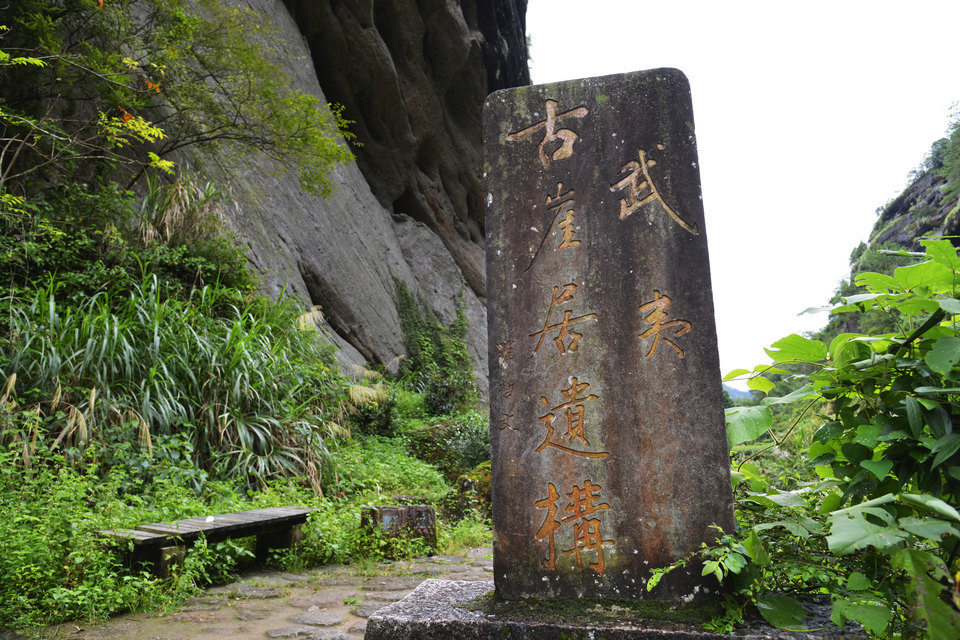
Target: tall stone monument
[609, 451]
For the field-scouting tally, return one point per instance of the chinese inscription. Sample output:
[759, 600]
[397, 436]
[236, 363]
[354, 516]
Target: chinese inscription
[573, 415]
[609, 454]
[561, 294]
[657, 315]
[587, 534]
[551, 134]
[641, 190]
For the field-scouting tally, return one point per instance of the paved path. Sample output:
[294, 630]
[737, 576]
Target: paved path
[331, 602]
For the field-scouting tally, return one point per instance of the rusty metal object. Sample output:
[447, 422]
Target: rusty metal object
[609, 451]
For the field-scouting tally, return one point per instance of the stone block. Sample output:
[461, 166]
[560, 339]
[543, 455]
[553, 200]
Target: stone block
[609, 449]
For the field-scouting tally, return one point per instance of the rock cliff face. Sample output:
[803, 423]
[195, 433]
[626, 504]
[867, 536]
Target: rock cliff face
[918, 212]
[413, 75]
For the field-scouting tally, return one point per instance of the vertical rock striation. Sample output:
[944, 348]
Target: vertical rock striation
[413, 75]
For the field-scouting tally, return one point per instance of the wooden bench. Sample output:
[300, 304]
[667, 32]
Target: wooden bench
[164, 543]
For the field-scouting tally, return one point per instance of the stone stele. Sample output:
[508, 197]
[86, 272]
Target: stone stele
[609, 451]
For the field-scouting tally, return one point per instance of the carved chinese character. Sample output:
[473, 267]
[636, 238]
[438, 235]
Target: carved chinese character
[550, 523]
[573, 414]
[562, 294]
[506, 388]
[642, 190]
[551, 133]
[586, 531]
[505, 422]
[566, 225]
[657, 309]
[562, 202]
[506, 352]
[582, 501]
[587, 537]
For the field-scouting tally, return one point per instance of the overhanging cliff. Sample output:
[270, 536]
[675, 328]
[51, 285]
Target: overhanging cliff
[412, 75]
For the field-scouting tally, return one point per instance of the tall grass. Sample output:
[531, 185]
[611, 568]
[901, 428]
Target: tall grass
[255, 395]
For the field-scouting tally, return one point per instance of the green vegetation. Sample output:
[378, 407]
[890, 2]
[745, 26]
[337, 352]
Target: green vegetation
[142, 379]
[85, 84]
[864, 511]
[438, 363]
[139, 387]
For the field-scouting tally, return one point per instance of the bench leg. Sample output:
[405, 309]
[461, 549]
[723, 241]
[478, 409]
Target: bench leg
[170, 557]
[282, 539]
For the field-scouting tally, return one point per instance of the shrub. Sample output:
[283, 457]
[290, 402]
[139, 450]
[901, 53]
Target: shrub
[253, 394]
[437, 364]
[877, 529]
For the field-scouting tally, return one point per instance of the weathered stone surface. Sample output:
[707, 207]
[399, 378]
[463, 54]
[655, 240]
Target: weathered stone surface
[246, 613]
[317, 619]
[391, 583]
[451, 610]
[443, 287]
[367, 609]
[291, 631]
[609, 448]
[245, 590]
[413, 76]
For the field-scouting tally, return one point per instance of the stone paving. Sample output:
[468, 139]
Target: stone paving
[331, 602]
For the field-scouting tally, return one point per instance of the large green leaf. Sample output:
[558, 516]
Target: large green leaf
[850, 531]
[950, 305]
[755, 549]
[747, 423]
[914, 415]
[856, 581]
[874, 617]
[782, 612]
[942, 251]
[923, 569]
[923, 274]
[861, 297]
[879, 468]
[795, 347]
[806, 391]
[761, 384]
[933, 504]
[944, 355]
[937, 390]
[929, 528]
[945, 448]
[879, 282]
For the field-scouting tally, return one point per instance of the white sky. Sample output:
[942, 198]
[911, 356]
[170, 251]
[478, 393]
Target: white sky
[809, 116]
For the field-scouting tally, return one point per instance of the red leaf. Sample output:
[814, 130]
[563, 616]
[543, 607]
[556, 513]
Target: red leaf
[100, 2]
